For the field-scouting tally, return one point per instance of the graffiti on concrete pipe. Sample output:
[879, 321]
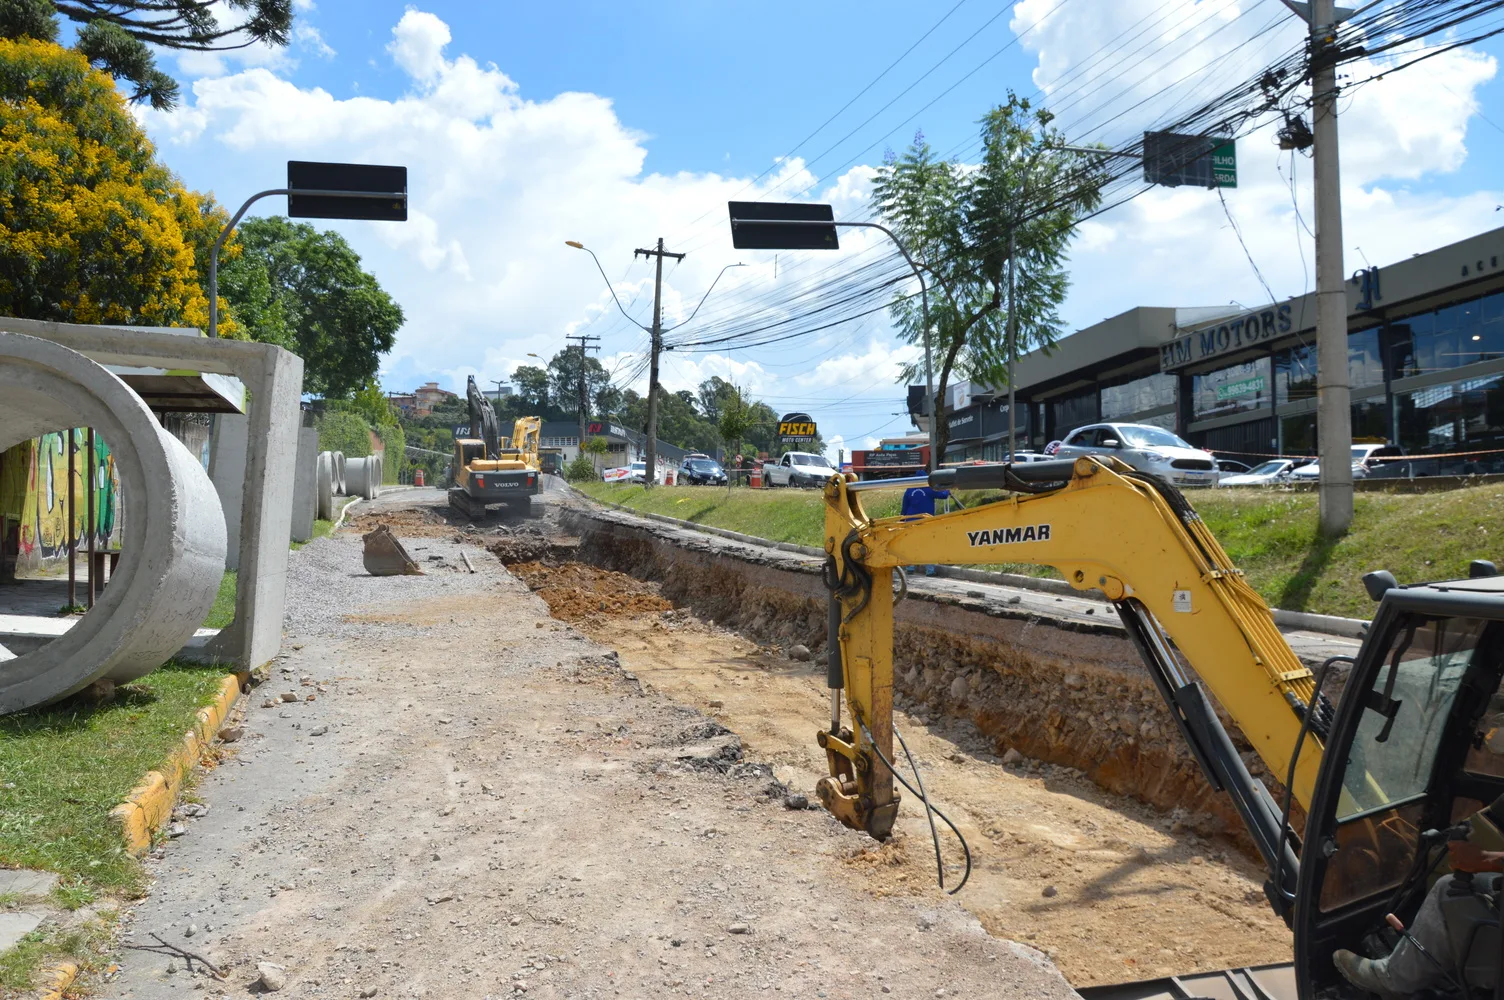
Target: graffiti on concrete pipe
[34, 496]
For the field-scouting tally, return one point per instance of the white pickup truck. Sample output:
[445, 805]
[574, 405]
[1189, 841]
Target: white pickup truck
[798, 468]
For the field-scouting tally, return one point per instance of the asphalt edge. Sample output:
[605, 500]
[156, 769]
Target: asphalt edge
[148, 806]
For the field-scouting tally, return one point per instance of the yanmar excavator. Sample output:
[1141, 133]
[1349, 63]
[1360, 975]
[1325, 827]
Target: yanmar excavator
[491, 470]
[1408, 754]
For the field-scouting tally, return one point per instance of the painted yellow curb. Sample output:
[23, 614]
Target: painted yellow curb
[57, 978]
[149, 805]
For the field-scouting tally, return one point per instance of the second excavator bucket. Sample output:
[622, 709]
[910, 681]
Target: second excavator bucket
[385, 556]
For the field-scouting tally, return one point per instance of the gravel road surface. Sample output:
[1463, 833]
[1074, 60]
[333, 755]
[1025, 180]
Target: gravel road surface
[478, 801]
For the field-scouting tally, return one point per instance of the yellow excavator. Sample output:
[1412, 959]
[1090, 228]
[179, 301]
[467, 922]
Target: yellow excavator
[490, 469]
[1410, 743]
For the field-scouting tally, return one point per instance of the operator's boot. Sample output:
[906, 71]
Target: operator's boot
[1365, 973]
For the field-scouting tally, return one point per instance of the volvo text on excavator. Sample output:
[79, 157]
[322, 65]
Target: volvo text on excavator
[1389, 754]
[491, 470]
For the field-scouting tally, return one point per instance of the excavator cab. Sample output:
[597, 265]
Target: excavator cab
[1414, 758]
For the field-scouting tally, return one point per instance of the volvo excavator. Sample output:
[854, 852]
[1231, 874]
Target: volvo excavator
[1389, 754]
[490, 469]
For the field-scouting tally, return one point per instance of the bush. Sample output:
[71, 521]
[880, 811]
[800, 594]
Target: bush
[581, 470]
[341, 430]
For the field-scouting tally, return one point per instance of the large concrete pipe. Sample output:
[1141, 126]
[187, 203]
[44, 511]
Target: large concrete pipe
[380, 476]
[363, 476]
[173, 552]
[325, 485]
[340, 485]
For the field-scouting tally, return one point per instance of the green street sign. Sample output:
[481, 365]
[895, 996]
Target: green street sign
[1242, 387]
[1225, 165]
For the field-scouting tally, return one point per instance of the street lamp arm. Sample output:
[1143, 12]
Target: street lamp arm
[218, 246]
[609, 288]
[703, 297]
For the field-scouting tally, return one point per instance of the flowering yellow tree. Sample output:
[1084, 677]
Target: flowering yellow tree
[93, 229]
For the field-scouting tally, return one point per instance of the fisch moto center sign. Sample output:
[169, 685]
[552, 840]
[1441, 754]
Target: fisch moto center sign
[796, 427]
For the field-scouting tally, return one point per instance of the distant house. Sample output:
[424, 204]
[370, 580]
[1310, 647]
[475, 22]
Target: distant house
[428, 396]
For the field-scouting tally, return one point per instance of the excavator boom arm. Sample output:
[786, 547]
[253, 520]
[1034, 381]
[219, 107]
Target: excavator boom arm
[1102, 525]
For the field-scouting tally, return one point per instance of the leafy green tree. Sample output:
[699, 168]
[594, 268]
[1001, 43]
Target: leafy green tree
[734, 422]
[304, 289]
[957, 220]
[564, 379]
[531, 383]
[93, 229]
[595, 447]
[116, 35]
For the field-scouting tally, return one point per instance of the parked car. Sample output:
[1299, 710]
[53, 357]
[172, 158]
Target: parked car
[1147, 448]
[637, 472]
[1229, 467]
[798, 468]
[701, 470]
[1273, 471]
[1366, 458]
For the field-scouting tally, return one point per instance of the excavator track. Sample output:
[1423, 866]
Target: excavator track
[462, 502]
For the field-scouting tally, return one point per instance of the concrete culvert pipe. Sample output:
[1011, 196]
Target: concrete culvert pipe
[339, 474]
[325, 486]
[173, 547]
[363, 476]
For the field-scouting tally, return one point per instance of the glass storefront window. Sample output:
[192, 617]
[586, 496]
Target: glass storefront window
[1371, 421]
[1465, 416]
[1235, 389]
[1295, 373]
[1365, 363]
[1449, 337]
[1070, 412]
[1148, 393]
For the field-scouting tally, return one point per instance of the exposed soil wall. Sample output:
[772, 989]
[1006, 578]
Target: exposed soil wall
[1056, 691]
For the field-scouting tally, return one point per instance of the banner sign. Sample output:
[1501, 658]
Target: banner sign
[796, 427]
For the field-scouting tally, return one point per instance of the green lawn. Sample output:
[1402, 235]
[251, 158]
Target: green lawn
[222, 614]
[63, 768]
[1271, 535]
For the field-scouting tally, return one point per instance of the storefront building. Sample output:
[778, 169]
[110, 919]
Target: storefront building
[1425, 362]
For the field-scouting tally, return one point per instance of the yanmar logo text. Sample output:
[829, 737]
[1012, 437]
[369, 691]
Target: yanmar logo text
[1007, 536]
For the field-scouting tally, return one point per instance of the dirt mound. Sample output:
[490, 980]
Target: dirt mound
[513, 549]
[409, 522]
[576, 592]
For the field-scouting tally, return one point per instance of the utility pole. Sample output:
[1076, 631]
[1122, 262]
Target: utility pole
[584, 345]
[1334, 418]
[656, 333]
[1012, 337]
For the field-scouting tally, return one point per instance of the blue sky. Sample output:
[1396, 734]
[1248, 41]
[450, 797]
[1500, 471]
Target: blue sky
[613, 123]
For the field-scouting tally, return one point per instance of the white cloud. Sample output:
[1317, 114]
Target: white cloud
[418, 44]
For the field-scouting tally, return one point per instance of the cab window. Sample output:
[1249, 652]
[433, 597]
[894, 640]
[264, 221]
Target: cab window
[1406, 711]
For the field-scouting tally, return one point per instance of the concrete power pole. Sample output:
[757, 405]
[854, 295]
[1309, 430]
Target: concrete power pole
[1334, 419]
[656, 334]
[584, 346]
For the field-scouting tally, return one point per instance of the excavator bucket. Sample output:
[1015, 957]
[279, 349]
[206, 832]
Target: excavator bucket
[385, 556]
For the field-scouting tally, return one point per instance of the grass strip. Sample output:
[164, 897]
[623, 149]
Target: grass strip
[1272, 535]
[63, 767]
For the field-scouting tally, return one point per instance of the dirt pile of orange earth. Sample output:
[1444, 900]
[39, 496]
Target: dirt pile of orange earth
[419, 522]
[577, 592]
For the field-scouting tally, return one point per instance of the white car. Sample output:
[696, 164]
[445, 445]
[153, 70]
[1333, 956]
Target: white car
[1274, 471]
[1147, 448]
[1365, 459]
[798, 468]
[637, 472]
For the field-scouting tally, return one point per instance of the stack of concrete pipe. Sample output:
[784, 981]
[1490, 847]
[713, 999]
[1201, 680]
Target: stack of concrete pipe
[172, 557]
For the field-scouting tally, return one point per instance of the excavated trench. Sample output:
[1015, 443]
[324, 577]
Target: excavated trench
[1058, 691]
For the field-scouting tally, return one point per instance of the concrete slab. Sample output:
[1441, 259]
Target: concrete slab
[21, 882]
[305, 485]
[15, 925]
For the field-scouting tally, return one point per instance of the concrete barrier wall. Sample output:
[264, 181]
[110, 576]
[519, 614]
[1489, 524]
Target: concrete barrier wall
[305, 495]
[173, 556]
